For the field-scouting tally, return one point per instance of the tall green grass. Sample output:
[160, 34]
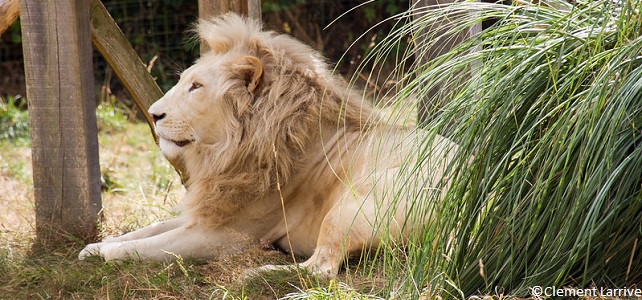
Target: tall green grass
[546, 106]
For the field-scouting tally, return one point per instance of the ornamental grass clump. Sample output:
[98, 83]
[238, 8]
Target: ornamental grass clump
[546, 105]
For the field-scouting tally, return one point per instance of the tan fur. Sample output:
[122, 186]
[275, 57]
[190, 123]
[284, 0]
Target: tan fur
[274, 148]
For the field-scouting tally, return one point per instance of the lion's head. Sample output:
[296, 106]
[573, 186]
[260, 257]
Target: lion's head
[239, 119]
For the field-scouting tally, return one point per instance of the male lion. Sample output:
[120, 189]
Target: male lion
[274, 148]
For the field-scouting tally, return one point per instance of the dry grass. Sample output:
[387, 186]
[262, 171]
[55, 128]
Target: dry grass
[140, 187]
[17, 221]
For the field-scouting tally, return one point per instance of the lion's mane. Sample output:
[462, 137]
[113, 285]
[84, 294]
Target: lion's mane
[272, 127]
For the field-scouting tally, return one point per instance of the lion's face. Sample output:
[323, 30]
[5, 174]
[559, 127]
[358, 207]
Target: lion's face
[198, 111]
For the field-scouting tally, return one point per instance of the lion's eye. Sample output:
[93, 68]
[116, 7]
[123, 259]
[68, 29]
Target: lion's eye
[195, 86]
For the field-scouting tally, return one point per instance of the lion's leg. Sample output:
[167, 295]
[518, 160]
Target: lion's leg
[148, 231]
[343, 231]
[185, 241]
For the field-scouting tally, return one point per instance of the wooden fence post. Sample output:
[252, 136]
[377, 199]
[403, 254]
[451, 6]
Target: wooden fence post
[427, 110]
[211, 8]
[60, 90]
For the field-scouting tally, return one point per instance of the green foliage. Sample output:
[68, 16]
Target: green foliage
[545, 105]
[330, 26]
[14, 120]
[107, 180]
[111, 118]
[371, 12]
[279, 5]
[14, 32]
[157, 30]
[334, 291]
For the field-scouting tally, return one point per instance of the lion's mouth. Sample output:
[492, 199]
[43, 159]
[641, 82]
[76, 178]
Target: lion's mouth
[182, 143]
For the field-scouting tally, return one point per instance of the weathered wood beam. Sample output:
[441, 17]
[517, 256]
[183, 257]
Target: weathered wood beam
[9, 11]
[110, 41]
[60, 89]
[446, 41]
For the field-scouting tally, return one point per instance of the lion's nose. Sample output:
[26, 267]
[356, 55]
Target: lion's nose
[157, 117]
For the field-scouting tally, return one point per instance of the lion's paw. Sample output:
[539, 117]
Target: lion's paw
[90, 250]
[111, 239]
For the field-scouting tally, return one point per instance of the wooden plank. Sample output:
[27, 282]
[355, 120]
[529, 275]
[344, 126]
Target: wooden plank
[60, 90]
[9, 11]
[110, 41]
[427, 110]
[212, 8]
[254, 9]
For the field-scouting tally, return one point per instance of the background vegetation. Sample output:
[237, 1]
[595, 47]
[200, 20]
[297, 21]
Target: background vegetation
[157, 30]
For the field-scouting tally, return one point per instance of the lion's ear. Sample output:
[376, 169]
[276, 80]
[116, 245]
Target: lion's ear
[250, 69]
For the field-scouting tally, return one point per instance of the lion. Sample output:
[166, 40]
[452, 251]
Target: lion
[274, 148]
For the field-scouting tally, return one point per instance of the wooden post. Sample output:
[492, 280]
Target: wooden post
[212, 8]
[110, 41]
[427, 110]
[60, 90]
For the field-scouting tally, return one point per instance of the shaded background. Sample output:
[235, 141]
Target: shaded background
[158, 31]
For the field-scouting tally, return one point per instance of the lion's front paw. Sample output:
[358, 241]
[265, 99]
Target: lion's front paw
[112, 238]
[91, 250]
[109, 251]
